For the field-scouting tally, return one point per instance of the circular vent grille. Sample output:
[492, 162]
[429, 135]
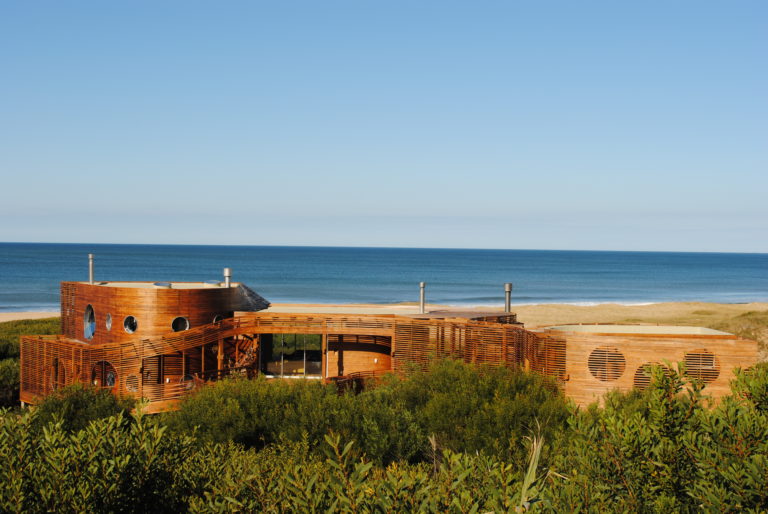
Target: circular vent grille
[606, 363]
[644, 372]
[132, 383]
[702, 365]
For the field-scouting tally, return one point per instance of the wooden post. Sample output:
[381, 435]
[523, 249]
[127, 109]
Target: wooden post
[220, 356]
[45, 365]
[324, 345]
[393, 348]
[141, 368]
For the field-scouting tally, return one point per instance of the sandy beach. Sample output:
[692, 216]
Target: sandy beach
[15, 316]
[675, 313]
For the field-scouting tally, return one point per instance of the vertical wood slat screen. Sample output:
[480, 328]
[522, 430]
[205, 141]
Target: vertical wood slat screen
[52, 361]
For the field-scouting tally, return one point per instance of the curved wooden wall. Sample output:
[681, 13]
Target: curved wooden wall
[154, 309]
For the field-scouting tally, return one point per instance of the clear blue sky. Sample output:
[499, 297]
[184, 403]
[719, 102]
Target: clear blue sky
[538, 124]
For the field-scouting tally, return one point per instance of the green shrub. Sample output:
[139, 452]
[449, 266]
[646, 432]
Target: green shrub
[665, 449]
[466, 409]
[77, 405]
[115, 466]
[487, 409]
[11, 330]
[9, 381]
[9, 352]
[257, 412]
[109, 466]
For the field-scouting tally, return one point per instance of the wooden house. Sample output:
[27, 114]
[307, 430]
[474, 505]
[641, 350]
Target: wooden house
[160, 340]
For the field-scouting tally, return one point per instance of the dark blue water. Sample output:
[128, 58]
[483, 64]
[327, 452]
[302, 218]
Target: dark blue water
[30, 273]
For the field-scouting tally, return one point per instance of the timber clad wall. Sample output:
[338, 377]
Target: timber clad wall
[398, 343]
[153, 308]
[597, 363]
[358, 354]
[162, 366]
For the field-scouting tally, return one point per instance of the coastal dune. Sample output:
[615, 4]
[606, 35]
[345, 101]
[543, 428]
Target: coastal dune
[674, 313]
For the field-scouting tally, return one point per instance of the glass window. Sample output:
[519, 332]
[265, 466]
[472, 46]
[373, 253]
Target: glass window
[179, 324]
[291, 355]
[130, 324]
[103, 374]
[89, 322]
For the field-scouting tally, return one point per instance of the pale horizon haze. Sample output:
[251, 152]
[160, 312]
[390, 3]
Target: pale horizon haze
[532, 125]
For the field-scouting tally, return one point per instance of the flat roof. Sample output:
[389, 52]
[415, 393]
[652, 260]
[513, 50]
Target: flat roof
[213, 284]
[638, 329]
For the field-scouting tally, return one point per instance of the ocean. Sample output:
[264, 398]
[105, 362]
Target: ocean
[30, 273]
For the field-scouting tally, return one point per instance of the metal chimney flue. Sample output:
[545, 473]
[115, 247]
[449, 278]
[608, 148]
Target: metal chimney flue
[90, 268]
[227, 277]
[508, 297]
[422, 298]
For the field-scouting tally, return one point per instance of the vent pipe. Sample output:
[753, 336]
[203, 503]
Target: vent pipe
[422, 309]
[227, 277]
[90, 268]
[508, 297]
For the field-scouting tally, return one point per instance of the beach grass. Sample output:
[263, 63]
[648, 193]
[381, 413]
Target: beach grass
[11, 330]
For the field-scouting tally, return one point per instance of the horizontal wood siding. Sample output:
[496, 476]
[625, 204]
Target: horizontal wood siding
[616, 359]
[360, 344]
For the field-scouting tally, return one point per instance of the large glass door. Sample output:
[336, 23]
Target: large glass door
[291, 355]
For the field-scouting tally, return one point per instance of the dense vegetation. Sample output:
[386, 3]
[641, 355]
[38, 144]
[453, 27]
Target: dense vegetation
[661, 450]
[9, 353]
[455, 439]
[488, 410]
[75, 406]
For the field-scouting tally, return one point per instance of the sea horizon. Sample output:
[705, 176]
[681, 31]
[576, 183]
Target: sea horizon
[30, 273]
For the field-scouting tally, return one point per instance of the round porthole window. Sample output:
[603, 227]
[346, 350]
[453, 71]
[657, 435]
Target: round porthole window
[606, 363]
[132, 383]
[179, 324]
[109, 321]
[644, 373]
[130, 324]
[103, 374]
[702, 365]
[89, 322]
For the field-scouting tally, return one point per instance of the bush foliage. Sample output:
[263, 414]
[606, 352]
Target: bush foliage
[77, 405]
[10, 331]
[467, 409]
[9, 381]
[662, 450]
